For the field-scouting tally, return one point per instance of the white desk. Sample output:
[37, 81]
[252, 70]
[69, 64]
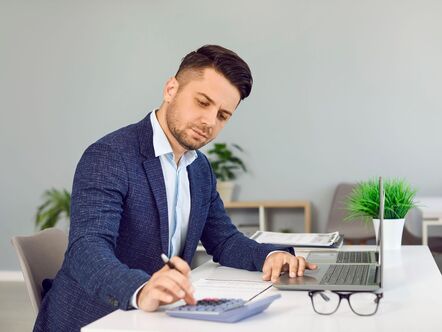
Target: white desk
[412, 302]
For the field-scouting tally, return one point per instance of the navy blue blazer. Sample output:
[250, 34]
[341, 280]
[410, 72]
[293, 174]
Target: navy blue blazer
[119, 228]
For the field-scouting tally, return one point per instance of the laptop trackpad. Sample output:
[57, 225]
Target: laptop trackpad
[310, 277]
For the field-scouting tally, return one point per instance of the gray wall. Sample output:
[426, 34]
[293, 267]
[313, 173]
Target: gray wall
[344, 90]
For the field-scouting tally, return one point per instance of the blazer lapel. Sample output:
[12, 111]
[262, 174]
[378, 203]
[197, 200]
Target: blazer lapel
[154, 173]
[155, 177]
[193, 230]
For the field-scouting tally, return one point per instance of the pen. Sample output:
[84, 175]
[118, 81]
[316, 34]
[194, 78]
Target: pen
[167, 261]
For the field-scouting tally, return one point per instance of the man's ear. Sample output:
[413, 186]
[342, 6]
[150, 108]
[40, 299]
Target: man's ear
[170, 89]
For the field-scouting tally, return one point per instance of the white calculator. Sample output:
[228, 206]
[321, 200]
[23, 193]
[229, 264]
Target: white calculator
[222, 310]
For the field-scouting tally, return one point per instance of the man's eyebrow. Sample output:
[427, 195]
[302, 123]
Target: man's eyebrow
[212, 102]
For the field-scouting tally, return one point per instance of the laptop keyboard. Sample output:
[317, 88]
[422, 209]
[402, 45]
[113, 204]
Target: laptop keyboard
[353, 257]
[346, 275]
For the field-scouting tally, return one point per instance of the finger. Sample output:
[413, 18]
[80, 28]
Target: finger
[311, 266]
[152, 300]
[182, 280]
[185, 285]
[189, 299]
[293, 266]
[266, 269]
[181, 265]
[161, 295]
[174, 298]
[276, 268]
[171, 286]
[286, 262]
[301, 266]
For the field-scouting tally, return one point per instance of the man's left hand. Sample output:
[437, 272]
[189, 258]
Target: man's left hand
[278, 262]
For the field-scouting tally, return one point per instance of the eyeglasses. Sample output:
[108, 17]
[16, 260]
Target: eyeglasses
[361, 303]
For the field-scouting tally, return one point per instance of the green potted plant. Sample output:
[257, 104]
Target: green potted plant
[56, 205]
[363, 202]
[226, 166]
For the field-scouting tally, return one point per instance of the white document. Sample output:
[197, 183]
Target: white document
[229, 273]
[296, 239]
[225, 282]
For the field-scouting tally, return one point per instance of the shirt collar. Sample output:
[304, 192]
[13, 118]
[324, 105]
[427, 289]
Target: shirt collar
[162, 146]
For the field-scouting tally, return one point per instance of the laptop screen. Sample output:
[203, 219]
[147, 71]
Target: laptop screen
[380, 239]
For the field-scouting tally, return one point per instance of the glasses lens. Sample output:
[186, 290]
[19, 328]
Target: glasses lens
[364, 303]
[325, 302]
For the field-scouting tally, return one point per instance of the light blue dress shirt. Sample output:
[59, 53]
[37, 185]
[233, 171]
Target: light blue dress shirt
[176, 181]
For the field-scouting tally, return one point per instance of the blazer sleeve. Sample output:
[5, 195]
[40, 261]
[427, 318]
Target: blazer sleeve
[226, 244]
[99, 189]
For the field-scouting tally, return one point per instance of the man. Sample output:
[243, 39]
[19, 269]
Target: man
[145, 190]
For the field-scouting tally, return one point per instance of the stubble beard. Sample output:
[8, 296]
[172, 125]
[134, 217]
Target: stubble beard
[180, 134]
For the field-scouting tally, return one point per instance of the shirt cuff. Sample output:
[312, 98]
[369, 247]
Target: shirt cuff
[133, 299]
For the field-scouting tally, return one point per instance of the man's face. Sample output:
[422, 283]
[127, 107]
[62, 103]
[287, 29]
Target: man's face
[197, 111]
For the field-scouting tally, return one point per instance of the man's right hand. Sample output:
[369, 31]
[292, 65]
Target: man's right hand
[167, 286]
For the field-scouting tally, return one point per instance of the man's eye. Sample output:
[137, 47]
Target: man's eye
[222, 116]
[203, 103]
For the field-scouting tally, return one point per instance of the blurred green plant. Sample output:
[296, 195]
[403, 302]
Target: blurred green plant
[363, 201]
[225, 164]
[56, 205]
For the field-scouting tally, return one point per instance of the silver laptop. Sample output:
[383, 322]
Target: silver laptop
[342, 277]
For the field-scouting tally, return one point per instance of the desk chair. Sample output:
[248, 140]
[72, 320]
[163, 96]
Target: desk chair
[355, 231]
[40, 256]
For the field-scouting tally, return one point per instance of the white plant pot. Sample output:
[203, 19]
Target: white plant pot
[225, 190]
[392, 230]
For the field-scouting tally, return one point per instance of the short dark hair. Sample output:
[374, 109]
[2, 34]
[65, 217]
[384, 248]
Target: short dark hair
[224, 61]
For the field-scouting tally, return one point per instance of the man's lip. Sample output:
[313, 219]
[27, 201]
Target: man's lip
[199, 132]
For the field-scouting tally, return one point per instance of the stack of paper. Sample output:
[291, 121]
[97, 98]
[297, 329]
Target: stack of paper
[322, 240]
[226, 282]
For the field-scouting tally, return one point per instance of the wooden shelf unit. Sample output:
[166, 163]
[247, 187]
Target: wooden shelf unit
[264, 206]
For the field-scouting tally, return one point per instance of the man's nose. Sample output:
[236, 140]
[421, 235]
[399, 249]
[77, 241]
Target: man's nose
[209, 118]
